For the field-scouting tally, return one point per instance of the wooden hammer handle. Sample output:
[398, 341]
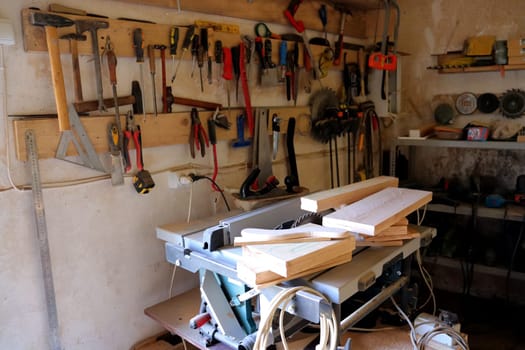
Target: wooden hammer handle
[57, 78]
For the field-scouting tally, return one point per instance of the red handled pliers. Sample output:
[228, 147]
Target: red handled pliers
[198, 135]
[132, 132]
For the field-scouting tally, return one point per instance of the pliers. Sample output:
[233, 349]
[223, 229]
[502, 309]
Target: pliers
[132, 131]
[198, 135]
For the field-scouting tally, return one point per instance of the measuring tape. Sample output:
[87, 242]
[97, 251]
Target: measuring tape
[41, 227]
[219, 27]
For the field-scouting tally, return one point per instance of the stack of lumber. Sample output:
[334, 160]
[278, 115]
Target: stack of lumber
[392, 236]
[273, 256]
[374, 210]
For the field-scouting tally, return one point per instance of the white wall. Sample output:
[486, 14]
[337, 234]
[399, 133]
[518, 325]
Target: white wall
[107, 263]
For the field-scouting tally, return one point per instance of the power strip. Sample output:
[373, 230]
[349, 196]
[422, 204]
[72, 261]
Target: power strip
[7, 34]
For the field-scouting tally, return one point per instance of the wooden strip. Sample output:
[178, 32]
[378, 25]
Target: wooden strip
[334, 198]
[394, 231]
[121, 34]
[375, 213]
[163, 130]
[287, 261]
[307, 230]
[270, 12]
[379, 244]
[241, 241]
[254, 273]
[381, 238]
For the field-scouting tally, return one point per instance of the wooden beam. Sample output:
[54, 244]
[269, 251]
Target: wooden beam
[269, 12]
[163, 130]
[334, 198]
[121, 34]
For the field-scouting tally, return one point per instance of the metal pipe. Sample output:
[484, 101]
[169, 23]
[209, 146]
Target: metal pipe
[372, 304]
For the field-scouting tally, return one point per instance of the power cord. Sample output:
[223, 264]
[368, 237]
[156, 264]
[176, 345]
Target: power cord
[195, 178]
[424, 340]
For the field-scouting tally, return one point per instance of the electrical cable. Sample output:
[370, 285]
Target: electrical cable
[424, 340]
[221, 191]
[189, 203]
[328, 326]
[428, 282]
[172, 280]
[6, 125]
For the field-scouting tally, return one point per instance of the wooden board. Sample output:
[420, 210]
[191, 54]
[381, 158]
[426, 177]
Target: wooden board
[271, 12]
[163, 130]
[307, 230]
[288, 261]
[395, 230]
[121, 35]
[334, 198]
[241, 241]
[397, 243]
[253, 273]
[375, 213]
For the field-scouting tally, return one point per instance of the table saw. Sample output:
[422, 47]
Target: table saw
[226, 314]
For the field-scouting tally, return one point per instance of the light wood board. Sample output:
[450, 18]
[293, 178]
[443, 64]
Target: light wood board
[307, 230]
[287, 260]
[334, 198]
[379, 211]
[254, 273]
[163, 130]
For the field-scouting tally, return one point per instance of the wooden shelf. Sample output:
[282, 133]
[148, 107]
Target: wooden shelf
[514, 212]
[496, 68]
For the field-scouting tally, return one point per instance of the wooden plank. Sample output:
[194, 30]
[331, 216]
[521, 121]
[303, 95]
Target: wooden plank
[394, 230]
[397, 243]
[334, 198]
[375, 213]
[381, 238]
[270, 12]
[307, 230]
[163, 130]
[241, 241]
[253, 273]
[121, 34]
[288, 261]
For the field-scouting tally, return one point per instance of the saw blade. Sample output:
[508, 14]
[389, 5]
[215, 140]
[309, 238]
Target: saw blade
[512, 103]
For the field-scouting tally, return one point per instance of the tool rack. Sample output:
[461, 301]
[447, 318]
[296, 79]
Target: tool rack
[165, 129]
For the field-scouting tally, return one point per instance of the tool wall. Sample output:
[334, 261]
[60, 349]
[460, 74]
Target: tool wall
[166, 128]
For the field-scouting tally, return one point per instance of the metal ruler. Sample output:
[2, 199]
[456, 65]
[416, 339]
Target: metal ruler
[41, 227]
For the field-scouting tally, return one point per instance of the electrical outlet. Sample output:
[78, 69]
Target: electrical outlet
[7, 34]
[178, 179]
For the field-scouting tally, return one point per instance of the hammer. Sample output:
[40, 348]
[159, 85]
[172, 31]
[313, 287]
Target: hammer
[51, 22]
[73, 47]
[92, 27]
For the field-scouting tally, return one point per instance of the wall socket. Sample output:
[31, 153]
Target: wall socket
[178, 179]
[7, 34]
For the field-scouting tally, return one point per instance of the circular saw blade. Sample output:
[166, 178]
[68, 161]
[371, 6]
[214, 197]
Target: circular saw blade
[512, 103]
[488, 102]
[466, 103]
[323, 103]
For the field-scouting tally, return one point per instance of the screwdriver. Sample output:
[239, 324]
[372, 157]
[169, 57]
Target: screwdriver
[218, 58]
[323, 18]
[227, 72]
[138, 44]
[201, 51]
[151, 55]
[209, 53]
[190, 32]
[283, 51]
[236, 53]
[195, 43]
[174, 42]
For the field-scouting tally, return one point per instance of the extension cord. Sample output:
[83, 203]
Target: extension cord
[425, 323]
